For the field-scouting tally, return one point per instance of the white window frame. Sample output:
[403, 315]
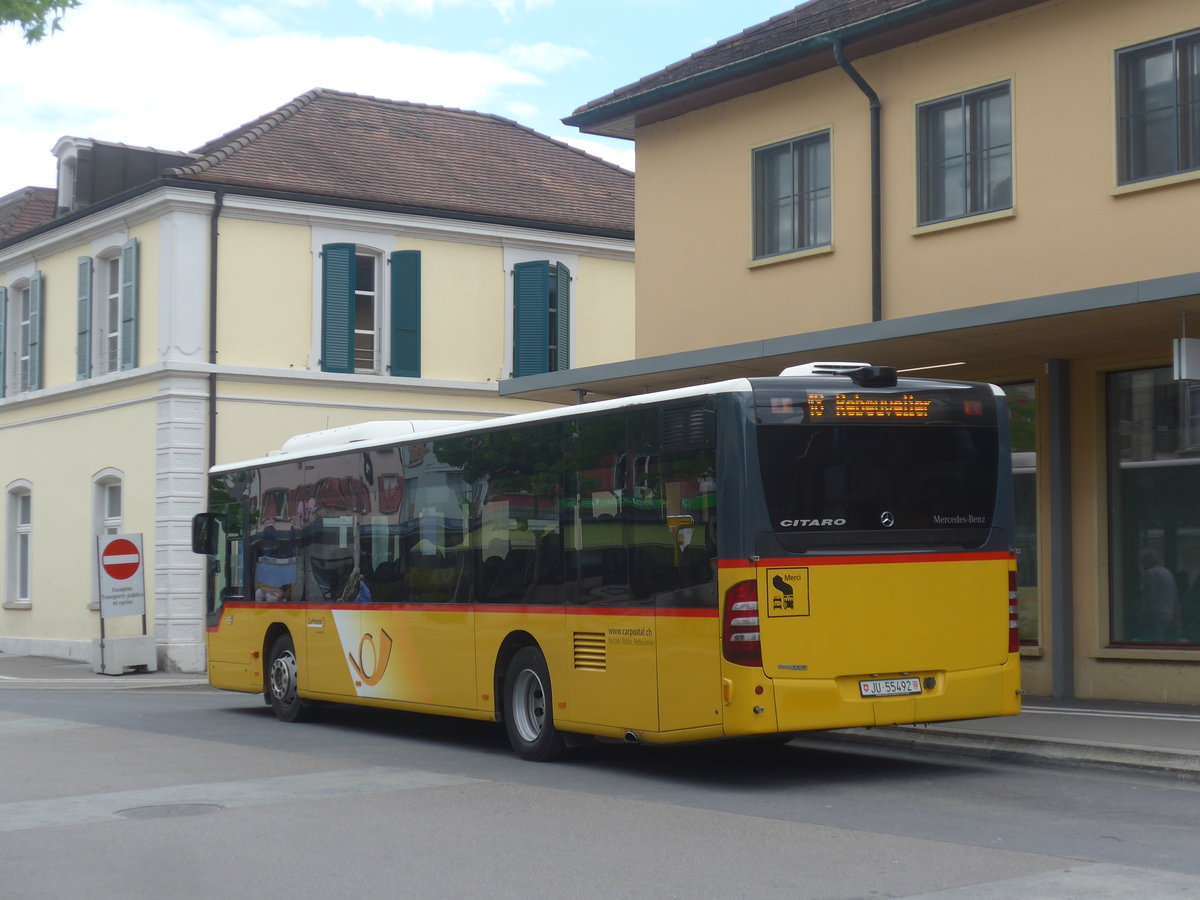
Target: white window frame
[106, 335]
[18, 591]
[104, 520]
[375, 332]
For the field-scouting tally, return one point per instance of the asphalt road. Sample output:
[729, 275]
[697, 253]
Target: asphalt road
[194, 793]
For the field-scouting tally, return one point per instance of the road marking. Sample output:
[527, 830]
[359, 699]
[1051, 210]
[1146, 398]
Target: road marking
[91, 809]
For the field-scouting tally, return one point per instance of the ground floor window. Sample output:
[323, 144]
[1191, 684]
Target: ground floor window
[1154, 530]
[1022, 411]
[20, 542]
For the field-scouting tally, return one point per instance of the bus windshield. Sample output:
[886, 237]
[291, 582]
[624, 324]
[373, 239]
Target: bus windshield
[889, 479]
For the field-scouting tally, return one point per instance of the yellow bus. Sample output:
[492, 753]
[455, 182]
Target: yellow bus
[824, 549]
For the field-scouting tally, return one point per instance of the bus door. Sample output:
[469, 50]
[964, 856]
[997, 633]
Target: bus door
[331, 584]
[611, 634]
[220, 536]
[673, 563]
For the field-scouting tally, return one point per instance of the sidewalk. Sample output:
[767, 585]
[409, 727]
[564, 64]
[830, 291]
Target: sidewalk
[1079, 733]
[42, 673]
[1130, 736]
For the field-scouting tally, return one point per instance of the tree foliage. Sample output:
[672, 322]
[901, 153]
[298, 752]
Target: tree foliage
[37, 18]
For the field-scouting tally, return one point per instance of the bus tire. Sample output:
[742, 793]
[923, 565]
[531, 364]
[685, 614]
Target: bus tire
[282, 684]
[528, 709]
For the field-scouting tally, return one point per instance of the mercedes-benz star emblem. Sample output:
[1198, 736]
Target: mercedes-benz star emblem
[886, 519]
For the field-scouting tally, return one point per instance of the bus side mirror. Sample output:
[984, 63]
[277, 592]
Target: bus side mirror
[205, 530]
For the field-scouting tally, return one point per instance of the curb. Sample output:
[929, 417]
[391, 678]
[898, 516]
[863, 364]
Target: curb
[1058, 752]
[98, 683]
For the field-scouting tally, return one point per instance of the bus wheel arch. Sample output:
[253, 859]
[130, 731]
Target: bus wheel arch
[281, 678]
[527, 703]
[509, 647]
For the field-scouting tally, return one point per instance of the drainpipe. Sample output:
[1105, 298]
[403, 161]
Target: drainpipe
[213, 234]
[876, 201]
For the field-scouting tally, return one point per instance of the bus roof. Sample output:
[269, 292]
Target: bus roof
[367, 435]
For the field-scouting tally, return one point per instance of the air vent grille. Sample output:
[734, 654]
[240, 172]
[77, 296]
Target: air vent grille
[591, 654]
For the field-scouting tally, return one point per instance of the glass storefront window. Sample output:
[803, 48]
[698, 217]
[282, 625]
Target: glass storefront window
[1154, 526]
[1022, 411]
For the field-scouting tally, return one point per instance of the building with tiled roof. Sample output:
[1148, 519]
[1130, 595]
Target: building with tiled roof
[989, 189]
[25, 209]
[342, 258]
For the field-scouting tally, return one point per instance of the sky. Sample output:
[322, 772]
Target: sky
[173, 75]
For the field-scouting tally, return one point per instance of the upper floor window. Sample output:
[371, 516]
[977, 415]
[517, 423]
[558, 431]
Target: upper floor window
[541, 317]
[965, 154]
[107, 312]
[369, 323]
[20, 545]
[21, 337]
[792, 198]
[107, 504]
[1158, 104]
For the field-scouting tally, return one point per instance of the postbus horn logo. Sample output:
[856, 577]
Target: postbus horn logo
[366, 649]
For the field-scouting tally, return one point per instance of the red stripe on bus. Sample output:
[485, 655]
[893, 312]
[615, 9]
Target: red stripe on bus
[681, 612]
[801, 561]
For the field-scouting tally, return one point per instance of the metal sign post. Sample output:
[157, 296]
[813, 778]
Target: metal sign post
[122, 589]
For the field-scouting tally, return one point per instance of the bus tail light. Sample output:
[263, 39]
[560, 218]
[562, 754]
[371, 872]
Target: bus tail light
[741, 639]
[1014, 625]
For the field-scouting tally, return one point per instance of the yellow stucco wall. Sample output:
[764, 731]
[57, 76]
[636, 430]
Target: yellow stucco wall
[1069, 229]
[255, 418]
[264, 283]
[59, 453]
[604, 312]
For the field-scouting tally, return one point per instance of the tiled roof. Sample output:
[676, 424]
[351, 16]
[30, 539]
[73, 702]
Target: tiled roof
[779, 33]
[26, 208]
[425, 159]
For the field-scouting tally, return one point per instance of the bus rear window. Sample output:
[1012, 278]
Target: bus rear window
[890, 480]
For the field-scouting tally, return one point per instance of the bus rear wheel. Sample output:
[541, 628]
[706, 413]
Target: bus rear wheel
[282, 685]
[528, 709]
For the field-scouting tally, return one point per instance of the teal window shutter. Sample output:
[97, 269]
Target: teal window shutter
[406, 313]
[562, 281]
[83, 320]
[337, 308]
[129, 305]
[35, 333]
[3, 334]
[531, 318]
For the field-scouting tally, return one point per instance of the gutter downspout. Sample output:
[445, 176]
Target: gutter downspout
[876, 180]
[213, 235]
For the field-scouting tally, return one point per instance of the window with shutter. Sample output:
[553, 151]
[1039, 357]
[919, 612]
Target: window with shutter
[128, 338]
[3, 339]
[83, 319]
[406, 313]
[337, 307]
[541, 318]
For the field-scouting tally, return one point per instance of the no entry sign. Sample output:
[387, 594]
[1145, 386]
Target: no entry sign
[121, 575]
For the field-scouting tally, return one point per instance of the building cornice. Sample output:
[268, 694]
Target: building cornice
[155, 204]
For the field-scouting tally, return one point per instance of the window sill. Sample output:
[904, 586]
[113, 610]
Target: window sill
[18, 604]
[1185, 653]
[964, 222]
[1153, 184]
[788, 257]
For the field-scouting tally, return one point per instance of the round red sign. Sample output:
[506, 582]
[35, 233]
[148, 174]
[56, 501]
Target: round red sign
[120, 559]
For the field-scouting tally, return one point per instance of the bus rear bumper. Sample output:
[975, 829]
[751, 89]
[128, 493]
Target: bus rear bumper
[817, 704]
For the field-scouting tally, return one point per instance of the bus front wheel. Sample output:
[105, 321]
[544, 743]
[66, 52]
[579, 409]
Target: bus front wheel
[282, 684]
[529, 714]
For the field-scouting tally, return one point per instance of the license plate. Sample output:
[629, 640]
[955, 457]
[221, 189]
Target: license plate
[890, 687]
